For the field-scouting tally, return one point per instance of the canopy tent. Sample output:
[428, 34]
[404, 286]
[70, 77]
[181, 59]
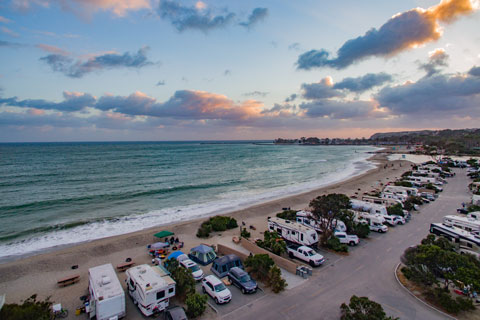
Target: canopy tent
[158, 245]
[202, 254]
[163, 234]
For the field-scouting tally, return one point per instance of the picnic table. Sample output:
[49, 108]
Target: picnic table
[124, 266]
[68, 280]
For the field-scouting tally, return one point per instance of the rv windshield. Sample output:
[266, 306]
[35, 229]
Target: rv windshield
[219, 287]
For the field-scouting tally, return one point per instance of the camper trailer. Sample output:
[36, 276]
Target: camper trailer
[150, 288]
[368, 207]
[293, 231]
[463, 241]
[465, 223]
[382, 201]
[402, 190]
[424, 180]
[306, 218]
[107, 298]
[375, 221]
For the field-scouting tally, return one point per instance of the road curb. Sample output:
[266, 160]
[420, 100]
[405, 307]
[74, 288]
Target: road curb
[425, 303]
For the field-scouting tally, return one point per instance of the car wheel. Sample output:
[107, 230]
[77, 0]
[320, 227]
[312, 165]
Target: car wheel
[244, 291]
[216, 301]
[312, 263]
[203, 289]
[352, 243]
[380, 231]
[290, 255]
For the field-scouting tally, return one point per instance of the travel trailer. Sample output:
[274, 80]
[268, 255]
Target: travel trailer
[465, 223]
[293, 231]
[107, 298]
[375, 221]
[150, 288]
[382, 201]
[306, 218]
[368, 207]
[402, 190]
[424, 180]
[474, 215]
[463, 241]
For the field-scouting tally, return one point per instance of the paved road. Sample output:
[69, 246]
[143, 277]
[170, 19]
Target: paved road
[367, 271]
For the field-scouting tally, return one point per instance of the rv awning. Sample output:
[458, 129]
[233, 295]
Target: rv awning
[163, 234]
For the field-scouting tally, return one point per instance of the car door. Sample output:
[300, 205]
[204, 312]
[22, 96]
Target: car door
[209, 288]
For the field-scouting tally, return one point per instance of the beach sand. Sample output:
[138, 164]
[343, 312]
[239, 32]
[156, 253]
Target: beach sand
[38, 274]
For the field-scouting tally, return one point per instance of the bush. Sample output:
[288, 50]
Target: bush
[273, 242]
[362, 308]
[217, 223]
[244, 233]
[204, 230]
[288, 215]
[196, 304]
[473, 208]
[396, 209]
[334, 244]
[443, 298]
[403, 184]
[259, 265]
[185, 283]
[275, 281]
[29, 309]
[361, 230]
[232, 223]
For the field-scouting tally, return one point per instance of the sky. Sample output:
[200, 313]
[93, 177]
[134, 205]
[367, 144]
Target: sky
[153, 70]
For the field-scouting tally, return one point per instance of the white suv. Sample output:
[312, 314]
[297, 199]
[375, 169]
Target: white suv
[185, 262]
[216, 289]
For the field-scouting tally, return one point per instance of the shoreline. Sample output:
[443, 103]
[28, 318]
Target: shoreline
[38, 274]
[359, 167]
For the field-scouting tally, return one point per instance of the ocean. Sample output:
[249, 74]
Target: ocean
[56, 194]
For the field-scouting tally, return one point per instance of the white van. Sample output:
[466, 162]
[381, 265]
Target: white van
[150, 288]
[107, 298]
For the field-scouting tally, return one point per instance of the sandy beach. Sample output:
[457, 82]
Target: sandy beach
[39, 274]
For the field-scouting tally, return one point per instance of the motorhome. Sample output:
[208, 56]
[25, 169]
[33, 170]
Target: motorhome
[382, 201]
[375, 221]
[150, 287]
[474, 215]
[368, 207]
[465, 223]
[424, 180]
[107, 298]
[293, 231]
[463, 241]
[405, 191]
[306, 218]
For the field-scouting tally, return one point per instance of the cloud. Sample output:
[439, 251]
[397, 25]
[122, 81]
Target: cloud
[118, 7]
[434, 97]
[321, 90]
[437, 58]
[256, 93]
[338, 109]
[9, 44]
[160, 83]
[73, 101]
[403, 31]
[4, 20]
[185, 18]
[474, 71]
[257, 15]
[294, 46]
[78, 68]
[227, 72]
[9, 32]
[363, 83]
[291, 98]
[52, 49]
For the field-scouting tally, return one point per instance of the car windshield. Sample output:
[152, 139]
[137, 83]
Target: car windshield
[194, 268]
[219, 287]
[245, 278]
[310, 253]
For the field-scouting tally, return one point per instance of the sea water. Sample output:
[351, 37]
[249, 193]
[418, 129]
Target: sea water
[55, 194]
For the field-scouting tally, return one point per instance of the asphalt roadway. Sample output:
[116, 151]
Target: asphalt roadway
[367, 271]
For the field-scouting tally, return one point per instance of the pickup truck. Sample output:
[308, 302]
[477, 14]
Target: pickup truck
[306, 254]
[378, 227]
[349, 239]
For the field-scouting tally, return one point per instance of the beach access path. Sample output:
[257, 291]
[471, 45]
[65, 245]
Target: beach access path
[367, 271]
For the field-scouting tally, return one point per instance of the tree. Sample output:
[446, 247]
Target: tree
[196, 304]
[273, 242]
[326, 209]
[259, 265]
[30, 309]
[362, 308]
[185, 283]
[288, 215]
[359, 229]
[396, 209]
[275, 280]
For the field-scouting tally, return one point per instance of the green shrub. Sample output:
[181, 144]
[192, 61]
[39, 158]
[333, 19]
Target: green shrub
[362, 308]
[334, 244]
[184, 281]
[244, 233]
[473, 208]
[396, 209]
[288, 215]
[30, 309]
[196, 304]
[403, 184]
[273, 242]
[217, 223]
[275, 281]
[259, 265]
[361, 230]
[232, 223]
[204, 232]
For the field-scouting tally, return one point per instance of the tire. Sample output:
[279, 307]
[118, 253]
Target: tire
[244, 291]
[351, 243]
[380, 231]
[216, 301]
[290, 255]
[203, 290]
[311, 263]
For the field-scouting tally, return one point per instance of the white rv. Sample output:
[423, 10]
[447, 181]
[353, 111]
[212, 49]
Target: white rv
[465, 223]
[293, 231]
[424, 180]
[150, 288]
[474, 215]
[463, 241]
[375, 221]
[368, 207]
[306, 218]
[382, 201]
[107, 298]
[403, 190]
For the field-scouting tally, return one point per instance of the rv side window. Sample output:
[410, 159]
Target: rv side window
[293, 233]
[469, 245]
[301, 236]
[132, 284]
[171, 290]
[271, 228]
[279, 230]
[160, 295]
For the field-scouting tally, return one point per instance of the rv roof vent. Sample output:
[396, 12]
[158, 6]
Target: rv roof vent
[142, 271]
[105, 280]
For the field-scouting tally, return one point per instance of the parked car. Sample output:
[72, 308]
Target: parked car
[241, 279]
[349, 239]
[215, 288]
[306, 254]
[175, 313]
[378, 227]
[462, 210]
[185, 262]
[399, 219]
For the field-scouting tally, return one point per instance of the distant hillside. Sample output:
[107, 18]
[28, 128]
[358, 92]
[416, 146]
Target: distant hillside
[452, 141]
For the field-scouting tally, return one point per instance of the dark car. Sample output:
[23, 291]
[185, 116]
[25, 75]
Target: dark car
[175, 313]
[462, 210]
[241, 279]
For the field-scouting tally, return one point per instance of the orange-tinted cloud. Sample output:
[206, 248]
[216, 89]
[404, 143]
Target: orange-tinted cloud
[405, 30]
